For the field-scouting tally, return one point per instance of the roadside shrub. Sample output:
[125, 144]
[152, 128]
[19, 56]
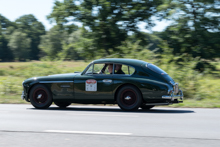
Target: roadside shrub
[2, 72]
[10, 85]
[195, 85]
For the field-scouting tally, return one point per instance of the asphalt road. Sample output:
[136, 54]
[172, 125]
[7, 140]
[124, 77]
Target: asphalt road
[94, 126]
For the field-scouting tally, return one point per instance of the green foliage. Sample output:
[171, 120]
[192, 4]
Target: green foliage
[195, 85]
[51, 43]
[34, 29]
[30, 30]
[34, 69]
[11, 77]
[198, 88]
[19, 44]
[2, 73]
[108, 22]
[5, 52]
[10, 85]
[42, 69]
[195, 29]
[110, 29]
[151, 48]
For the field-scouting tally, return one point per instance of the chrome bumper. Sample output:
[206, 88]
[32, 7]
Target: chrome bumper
[22, 95]
[172, 97]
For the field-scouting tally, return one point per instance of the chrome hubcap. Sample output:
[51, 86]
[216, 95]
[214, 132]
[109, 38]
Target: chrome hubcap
[127, 98]
[39, 96]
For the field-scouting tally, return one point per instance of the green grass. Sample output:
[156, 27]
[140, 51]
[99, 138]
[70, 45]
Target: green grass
[12, 99]
[12, 74]
[192, 103]
[200, 90]
[31, 69]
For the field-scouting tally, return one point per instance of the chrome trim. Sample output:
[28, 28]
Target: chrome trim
[107, 81]
[39, 96]
[127, 98]
[176, 88]
[172, 82]
[173, 96]
[22, 95]
[56, 81]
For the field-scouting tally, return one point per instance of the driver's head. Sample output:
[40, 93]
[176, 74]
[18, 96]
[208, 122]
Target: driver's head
[110, 68]
[118, 67]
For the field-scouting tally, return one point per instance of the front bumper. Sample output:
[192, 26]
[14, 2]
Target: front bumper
[22, 95]
[178, 96]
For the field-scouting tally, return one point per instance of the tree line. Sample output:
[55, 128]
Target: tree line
[110, 27]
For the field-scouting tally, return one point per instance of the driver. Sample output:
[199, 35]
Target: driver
[110, 68]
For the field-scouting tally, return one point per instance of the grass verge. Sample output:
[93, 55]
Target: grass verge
[201, 90]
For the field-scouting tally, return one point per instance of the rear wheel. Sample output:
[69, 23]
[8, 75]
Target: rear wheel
[129, 98]
[40, 97]
[62, 104]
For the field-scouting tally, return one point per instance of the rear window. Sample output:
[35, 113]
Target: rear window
[155, 69]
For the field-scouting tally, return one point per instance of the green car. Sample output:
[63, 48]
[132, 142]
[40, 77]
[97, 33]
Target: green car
[130, 83]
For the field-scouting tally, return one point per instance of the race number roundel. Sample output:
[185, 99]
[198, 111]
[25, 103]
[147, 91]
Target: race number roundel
[91, 85]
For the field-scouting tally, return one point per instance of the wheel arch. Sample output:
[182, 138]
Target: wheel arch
[126, 84]
[36, 83]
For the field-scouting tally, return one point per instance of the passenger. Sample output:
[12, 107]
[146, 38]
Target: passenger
[110, 68]
[118, 69]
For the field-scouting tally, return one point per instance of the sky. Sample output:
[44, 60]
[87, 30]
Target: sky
[13, 9]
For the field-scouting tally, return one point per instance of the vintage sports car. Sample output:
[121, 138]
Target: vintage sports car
[130, 83]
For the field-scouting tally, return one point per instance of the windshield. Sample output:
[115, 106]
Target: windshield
[156, 69]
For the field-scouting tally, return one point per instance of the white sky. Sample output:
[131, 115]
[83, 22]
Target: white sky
[13, 9]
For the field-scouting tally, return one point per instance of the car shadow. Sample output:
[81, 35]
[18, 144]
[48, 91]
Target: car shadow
[115, 109]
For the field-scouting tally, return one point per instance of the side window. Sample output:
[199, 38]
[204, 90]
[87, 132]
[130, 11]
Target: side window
[100, 69]
[97, 68]
[124, 69]
[131, 70]
[89, 70]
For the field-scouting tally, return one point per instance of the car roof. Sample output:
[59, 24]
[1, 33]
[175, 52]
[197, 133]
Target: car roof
[133, 62]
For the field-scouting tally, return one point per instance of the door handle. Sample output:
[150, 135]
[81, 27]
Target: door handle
[107, 81]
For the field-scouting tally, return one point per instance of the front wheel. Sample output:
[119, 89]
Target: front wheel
[40, 97]
[62, 104]
[129, 98]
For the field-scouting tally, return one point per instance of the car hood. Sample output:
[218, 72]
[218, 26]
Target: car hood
[66, 74]
[56, 77]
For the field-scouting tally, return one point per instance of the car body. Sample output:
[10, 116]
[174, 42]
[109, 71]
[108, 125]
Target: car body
[141, 84]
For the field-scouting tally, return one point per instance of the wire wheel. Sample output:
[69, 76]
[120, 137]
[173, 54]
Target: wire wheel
[129, 98]
[40, 97]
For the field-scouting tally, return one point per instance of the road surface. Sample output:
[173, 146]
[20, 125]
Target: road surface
[94, 126]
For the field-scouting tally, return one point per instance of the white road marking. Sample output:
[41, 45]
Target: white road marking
[87, 132]
[106, 115]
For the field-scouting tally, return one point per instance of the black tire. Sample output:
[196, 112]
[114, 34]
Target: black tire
[62, 104]
[40, 97]
[146, 107]
[129, 98]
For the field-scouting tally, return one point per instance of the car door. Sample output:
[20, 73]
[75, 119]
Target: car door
[93, 86]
